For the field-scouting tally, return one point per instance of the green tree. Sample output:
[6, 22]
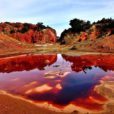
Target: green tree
[40, 25]
[79, 25]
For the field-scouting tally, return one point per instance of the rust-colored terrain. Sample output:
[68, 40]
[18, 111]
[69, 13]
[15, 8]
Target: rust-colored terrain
[19, 38]
[97, 37]
[29, 33]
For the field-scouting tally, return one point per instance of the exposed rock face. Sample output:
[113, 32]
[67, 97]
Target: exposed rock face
[45, 36]
[91, 34]
[29, 33]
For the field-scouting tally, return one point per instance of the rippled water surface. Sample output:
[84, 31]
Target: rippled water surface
[59, 80]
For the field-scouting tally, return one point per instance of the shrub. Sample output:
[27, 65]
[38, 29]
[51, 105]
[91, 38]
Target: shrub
[41, 26]
[23, 30]
[12, 31]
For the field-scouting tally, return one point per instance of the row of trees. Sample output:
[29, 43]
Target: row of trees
[104, 21]
[78, 25]
[106, 24]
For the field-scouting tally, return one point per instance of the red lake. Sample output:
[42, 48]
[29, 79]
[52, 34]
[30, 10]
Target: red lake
[57, 80]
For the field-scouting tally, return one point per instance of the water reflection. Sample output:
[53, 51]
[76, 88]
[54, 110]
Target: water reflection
[82, 63]
[59, 80]
[26, 63]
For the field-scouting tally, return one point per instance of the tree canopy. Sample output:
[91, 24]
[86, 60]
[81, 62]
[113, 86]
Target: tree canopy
[79, 25]
[41, 25]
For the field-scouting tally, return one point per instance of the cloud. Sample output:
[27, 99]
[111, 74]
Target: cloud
[55, 13]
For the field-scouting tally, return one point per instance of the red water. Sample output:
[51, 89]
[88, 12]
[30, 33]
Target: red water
[59, 80]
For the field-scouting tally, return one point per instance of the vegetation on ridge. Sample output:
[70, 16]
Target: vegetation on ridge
[83, 35]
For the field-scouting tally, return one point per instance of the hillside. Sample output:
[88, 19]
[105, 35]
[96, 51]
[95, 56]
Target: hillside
[8, 42]
[81, 36]
[29, 33]
[10, 46]
[84, 36]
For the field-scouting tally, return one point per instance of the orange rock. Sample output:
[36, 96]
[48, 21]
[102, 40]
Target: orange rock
[29, 33]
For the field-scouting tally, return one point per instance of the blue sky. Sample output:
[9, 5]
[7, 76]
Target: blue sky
[55, 13]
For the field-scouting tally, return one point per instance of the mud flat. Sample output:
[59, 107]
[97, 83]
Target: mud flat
[49, 49]
[10, 103]
[106, 88]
